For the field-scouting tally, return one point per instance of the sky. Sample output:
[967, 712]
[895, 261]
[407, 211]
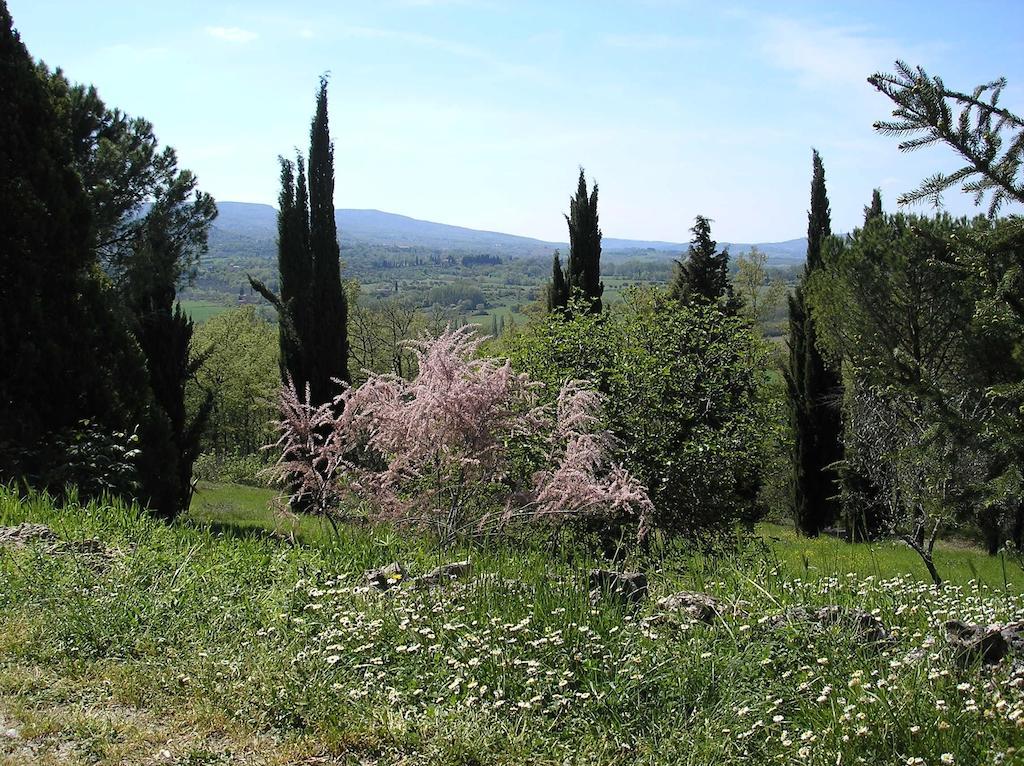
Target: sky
[480, 113]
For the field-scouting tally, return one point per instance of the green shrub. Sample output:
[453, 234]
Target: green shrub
[685, 396]
[231, 468]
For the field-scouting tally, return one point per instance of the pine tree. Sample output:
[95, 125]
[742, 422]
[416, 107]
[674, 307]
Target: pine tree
[65, 354]
[703, 278]
[312, 307]
[584, 273]
[558, 290]
[813, 389]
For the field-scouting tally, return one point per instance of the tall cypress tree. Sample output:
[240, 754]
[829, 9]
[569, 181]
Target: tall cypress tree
[584, 273]
[814, 390]
[312, 307]
[328, 328]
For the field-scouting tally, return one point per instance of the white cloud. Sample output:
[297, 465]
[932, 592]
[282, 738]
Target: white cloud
[232, 34]
[827, 56]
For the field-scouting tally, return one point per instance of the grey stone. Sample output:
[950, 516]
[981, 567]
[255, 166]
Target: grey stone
[698, 606]
[971, 643]
[386, 577]
[862, 625]
[444, 573]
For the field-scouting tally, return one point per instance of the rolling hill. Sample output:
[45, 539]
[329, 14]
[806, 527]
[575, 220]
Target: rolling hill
[244, 227]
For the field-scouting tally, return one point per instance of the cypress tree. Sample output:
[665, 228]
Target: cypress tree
[874, 210]
[813, 389]
[170, 439]
[312, 307]
[558, 290]
[584, 273]
[328, 327]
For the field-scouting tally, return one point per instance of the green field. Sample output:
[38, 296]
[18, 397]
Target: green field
[244, 507]
[200, 311]
[239, 636]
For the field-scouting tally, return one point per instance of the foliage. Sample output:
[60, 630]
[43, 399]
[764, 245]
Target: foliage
[134, 187]
[240, 368]
[439, 451]
[51, 290]
[988, 260]
[312, 307]
[455, 294]
[511, 665]
[231, 467]
[379, 333]
[683, 395]
[988, 137]
[758, 293]
[703, 278]
[814, 389]
[581, 278]
[557, 293]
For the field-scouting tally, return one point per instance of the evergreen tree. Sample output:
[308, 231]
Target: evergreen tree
[558, 290]
[584, 273]
[703, 278]
[813, 389]
[865, 508]
[67, 356]
[874, 210]
[170, 438]
[312, 307]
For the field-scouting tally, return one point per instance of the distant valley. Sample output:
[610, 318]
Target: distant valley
[250, 229]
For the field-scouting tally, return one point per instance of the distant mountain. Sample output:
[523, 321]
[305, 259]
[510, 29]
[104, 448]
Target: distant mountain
[246, 227]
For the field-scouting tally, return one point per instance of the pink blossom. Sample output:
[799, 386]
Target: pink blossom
[434, 451]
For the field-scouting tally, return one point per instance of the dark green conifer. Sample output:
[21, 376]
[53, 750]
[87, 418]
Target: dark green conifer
[703, 278]
[558, 289]
[65, 354]
[584, 272]
[814, 390]
[312, 306]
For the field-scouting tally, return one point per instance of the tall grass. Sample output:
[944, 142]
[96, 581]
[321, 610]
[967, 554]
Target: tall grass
[512, 665]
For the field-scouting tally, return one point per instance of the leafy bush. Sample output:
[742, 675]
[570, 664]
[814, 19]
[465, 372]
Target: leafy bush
[233, 468]
[682, 394]
[462, 448]
[88, 457]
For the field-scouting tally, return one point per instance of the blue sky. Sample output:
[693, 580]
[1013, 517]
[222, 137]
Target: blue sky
[479, 112]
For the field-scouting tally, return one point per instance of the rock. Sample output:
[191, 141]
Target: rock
[386, 577]
[1014, 635]
[864, 626]
[628, 588]
[27, 533]
[699, 606]
[971, 643]
[444, 573]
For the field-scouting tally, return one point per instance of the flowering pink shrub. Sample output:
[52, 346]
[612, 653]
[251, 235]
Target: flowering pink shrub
[436, 451]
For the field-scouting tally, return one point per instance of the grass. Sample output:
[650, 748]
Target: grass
[200, 310]
[248, 508]
[211, 641]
